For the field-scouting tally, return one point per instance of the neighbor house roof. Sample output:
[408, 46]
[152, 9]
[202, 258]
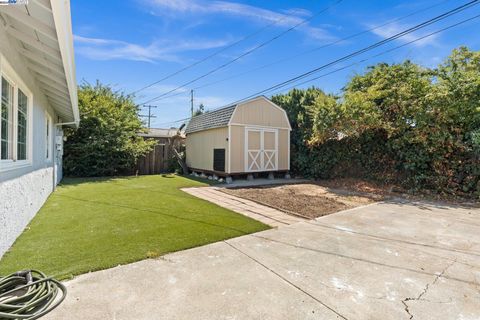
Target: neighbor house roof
[211, 119]
[43, 36]
[159, 133]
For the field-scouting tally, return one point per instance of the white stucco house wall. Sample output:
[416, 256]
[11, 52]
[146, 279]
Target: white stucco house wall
[38, 98]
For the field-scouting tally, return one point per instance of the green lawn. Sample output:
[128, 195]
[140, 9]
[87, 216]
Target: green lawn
[92, 224]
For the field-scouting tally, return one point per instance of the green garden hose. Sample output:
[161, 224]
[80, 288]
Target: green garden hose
[29, 295]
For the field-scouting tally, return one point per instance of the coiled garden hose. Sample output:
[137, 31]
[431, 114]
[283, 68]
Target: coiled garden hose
[29, 295]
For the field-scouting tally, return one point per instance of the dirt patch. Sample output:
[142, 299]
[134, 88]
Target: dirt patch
[306, 199]
[375, 190]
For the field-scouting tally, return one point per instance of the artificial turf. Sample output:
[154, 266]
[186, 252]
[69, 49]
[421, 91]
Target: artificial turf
[92, 224]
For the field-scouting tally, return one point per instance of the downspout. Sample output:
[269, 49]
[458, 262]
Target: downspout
[54, 156]
[55, 151]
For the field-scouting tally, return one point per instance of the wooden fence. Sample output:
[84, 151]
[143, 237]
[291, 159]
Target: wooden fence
[156, 161]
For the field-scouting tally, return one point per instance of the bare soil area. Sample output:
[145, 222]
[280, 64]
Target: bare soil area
[310, 200]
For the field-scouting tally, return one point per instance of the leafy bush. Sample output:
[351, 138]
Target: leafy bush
[400, 122]
[106, 142]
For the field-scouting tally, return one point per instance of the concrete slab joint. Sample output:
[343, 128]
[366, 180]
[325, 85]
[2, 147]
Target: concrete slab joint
[389, 261]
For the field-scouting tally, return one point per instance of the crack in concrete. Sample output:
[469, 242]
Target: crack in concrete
[424, 291]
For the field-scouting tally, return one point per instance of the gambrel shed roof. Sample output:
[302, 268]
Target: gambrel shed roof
[211, 119]
[223, 117]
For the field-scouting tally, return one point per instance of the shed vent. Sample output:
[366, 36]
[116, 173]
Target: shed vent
[219, 160]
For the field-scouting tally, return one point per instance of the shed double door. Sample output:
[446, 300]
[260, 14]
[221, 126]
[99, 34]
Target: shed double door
[261, 146]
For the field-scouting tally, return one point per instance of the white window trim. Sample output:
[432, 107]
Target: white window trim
[9, 74]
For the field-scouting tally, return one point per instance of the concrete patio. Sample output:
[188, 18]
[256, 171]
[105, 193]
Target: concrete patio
[384, 261]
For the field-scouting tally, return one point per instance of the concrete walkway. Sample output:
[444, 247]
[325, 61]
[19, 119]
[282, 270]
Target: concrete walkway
[383, 261]
[239, 183]
[267, 215]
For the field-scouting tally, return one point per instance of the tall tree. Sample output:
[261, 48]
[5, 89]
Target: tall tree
[106, 142]
[200, 110]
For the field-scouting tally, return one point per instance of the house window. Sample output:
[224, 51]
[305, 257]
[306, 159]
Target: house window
[22, 125]
[6, 124]
[15, 119]
[48, 137]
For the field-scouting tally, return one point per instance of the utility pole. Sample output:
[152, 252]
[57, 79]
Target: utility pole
[150, 115]
[191, 101]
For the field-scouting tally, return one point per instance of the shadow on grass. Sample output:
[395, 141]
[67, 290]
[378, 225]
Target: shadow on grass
[73, 181]
[202, 180]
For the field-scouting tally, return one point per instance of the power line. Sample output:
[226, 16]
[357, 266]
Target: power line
[174, 121]
[261, 45]
[370, 47]
[403, 33]
[381, 53]
[150, 115]
[309, 51]
[223, 49]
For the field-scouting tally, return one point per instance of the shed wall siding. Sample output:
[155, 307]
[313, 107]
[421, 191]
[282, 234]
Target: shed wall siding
[237, 149]
[259, 112]
[200, 145]
[283, 142]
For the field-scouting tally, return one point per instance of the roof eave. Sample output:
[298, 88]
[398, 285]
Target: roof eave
[63, 26]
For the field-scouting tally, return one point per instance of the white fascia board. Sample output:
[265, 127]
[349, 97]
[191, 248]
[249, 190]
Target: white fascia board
[63, 25]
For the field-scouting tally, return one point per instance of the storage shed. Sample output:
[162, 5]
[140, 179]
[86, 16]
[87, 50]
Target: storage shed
[248, 137]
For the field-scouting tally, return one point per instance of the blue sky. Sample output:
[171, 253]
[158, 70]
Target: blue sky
[130, 44]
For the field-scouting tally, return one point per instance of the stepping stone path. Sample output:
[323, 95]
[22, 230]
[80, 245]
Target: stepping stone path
[267, 215]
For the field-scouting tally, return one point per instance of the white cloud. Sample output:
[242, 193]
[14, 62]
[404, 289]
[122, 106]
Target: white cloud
[298, 12]
[108, 49]
[394, 28]
[290, 18]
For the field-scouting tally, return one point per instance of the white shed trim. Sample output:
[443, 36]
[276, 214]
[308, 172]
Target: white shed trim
[256, 126]
[258, 98]
[229, 150]
[261, 151]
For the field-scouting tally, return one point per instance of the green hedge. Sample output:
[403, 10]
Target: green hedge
[106, 142]
[397, 123]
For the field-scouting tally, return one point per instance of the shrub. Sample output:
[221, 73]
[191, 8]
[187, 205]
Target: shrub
[400, 122]
[106, 142]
